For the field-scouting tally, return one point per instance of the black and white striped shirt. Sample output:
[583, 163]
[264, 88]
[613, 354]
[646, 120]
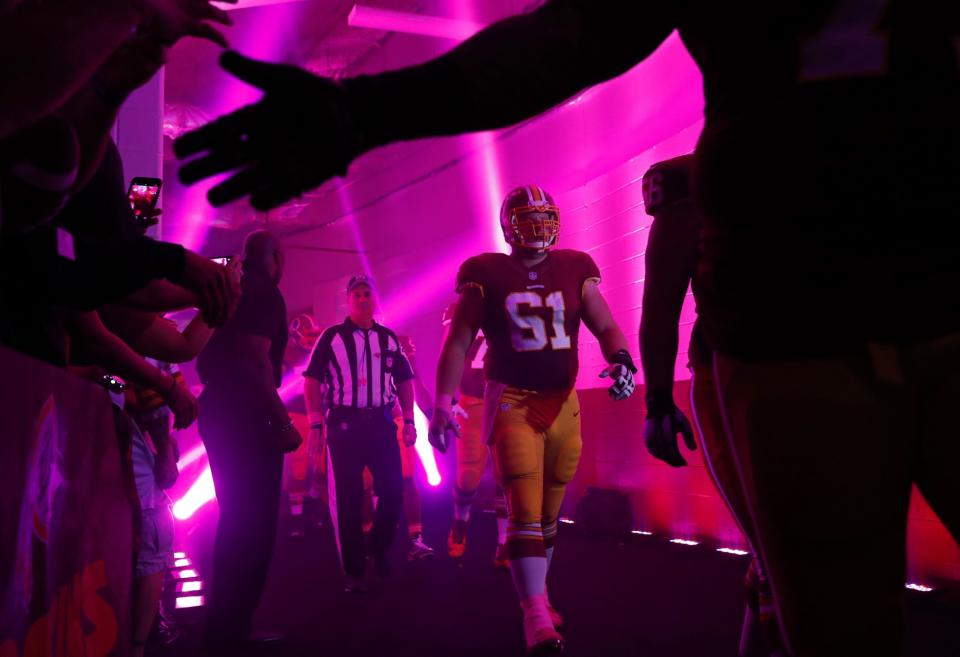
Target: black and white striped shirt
[360, 367]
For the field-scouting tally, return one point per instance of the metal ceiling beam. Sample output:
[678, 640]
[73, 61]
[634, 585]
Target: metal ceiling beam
[409, 23]
[245, 4]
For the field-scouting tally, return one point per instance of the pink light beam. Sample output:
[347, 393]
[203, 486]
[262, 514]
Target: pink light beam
[201, 492]
[195, 454]
[424, 449]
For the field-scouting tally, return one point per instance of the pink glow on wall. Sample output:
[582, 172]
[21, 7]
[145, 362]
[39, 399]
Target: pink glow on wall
[488, 186]
[434, 282]
[201, 492]
[485, 175]
[346, 204]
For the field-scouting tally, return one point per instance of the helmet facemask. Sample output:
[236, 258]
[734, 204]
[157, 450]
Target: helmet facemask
[530, 219]
[535, 228]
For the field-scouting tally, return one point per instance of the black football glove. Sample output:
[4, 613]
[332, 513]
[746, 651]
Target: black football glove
[664, 421]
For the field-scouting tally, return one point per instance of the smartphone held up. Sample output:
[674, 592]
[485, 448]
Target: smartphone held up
[143, 194]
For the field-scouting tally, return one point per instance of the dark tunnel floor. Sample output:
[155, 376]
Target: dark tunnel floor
[644, 597]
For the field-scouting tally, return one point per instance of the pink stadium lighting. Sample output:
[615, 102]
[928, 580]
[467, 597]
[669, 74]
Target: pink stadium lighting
[486, 171]
[179, 555]
[566, 521]
[399, 21]
[640, 532]
[181, 563]
[921, 588]
[190, 601]
[190, 587]
[424, 450]
[483, 170]
[734, 551]
[432, 283]
[346, 203]
[189, 573]
[489, 179]
[486, 182]
[683, 541]
[292, 384]
[192, 456]
[200, 493]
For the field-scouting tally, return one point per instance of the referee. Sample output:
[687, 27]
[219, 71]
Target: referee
[356, 373]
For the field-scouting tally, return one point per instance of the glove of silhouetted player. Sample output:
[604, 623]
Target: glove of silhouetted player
[664, 421]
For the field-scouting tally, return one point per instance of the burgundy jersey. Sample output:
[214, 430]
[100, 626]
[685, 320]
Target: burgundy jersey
[531, 316]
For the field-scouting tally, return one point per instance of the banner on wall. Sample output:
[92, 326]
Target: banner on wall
[65, 520]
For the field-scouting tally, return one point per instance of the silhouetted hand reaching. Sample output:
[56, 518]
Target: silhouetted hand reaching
[295, 138]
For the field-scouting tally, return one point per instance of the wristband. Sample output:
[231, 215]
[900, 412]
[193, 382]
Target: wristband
[622, 357]
[409, 420]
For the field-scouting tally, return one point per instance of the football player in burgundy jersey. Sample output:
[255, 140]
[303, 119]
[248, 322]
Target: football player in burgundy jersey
[530, 305]
[670, 263]
[472, 451]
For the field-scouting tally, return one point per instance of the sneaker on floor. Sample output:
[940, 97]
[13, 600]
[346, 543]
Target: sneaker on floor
[500, 560]
[457, 539]
[419, 550]
[538, 630]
